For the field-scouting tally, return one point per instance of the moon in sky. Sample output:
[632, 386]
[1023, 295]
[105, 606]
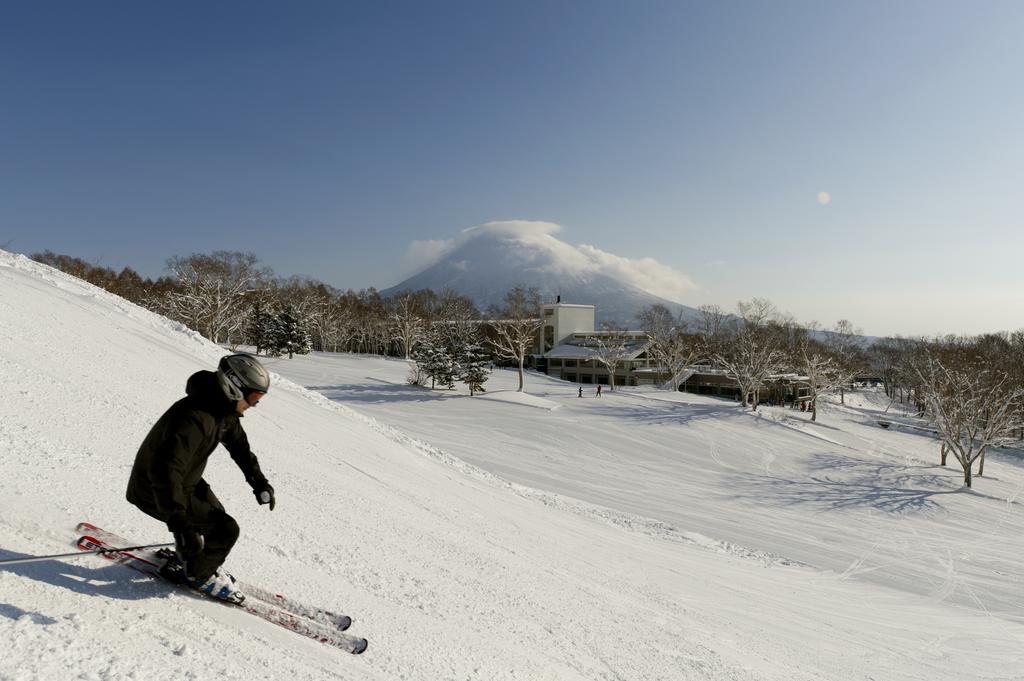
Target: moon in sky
[824, 198]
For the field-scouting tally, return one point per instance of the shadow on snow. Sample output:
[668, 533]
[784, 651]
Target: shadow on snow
[889, 487]
[377, 393]
[109, 581]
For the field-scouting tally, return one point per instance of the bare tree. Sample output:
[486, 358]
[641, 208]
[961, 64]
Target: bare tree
[611, 349]
[842, 342]
[349, 321]
[515, 327]
[974, 407]
[894, 359]
[657, 321]
[212, 289]
[370, 333]
[408, 320]
[670, 344]
[1015, 363]
[753, 351]
[713, 326]
[323, 313]
[822, 370]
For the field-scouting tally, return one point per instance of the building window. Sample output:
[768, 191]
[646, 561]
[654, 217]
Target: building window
[549, 338]
[570, 362]
[549, 312]
[555, 362]
[569, 377]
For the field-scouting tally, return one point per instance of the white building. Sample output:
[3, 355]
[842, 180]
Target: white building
[568, 343]
[561, 320]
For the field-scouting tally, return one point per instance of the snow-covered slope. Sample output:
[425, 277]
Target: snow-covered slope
[490, 538]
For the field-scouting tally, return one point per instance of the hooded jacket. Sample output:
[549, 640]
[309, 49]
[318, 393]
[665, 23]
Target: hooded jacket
[168, 469]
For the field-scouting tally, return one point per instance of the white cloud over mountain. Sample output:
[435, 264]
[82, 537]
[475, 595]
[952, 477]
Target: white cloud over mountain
[645, 273]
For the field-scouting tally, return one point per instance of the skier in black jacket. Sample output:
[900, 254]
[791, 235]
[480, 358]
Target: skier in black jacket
[167, 478]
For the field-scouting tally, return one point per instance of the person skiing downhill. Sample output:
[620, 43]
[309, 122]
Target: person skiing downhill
[167, 478]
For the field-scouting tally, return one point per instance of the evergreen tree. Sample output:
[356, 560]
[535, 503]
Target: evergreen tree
[434, 358]
[473, 367]
[425, 356]
[290, 334]
[444, 367]
[260, 329]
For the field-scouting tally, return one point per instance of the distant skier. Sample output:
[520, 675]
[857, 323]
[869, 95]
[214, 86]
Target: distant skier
[167, 478]
[598, 390]
[581, 391]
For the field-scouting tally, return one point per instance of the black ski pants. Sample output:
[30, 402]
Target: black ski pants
[206, 515]
[219, 530]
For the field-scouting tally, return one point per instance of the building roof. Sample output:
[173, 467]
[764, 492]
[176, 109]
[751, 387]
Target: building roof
[775, 378]
[613, 332]
[569, 351]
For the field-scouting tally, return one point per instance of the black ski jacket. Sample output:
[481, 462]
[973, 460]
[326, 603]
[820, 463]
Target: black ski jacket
[169, 466]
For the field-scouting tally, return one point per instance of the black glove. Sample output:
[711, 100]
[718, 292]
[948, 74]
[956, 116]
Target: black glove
[265, 495]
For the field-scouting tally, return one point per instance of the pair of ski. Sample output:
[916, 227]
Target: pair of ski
[315, 623]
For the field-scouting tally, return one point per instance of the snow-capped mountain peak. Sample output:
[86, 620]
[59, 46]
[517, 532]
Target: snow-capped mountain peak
[484, 262]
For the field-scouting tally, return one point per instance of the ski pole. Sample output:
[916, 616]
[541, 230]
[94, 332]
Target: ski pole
[62, 556]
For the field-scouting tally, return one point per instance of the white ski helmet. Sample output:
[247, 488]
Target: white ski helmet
[240, 374]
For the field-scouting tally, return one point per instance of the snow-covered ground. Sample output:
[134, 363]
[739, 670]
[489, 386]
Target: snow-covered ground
[642, 535]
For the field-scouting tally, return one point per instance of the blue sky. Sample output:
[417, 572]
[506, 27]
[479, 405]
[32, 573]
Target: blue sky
[329, 137]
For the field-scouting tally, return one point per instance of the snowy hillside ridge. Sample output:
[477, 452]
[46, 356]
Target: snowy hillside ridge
[83, 288]
[77, 286]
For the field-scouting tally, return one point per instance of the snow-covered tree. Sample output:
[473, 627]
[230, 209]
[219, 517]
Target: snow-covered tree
[290, 334]
[974, 407]
[261, 325]
[611, 349]
[752, 350]
[714, 326]
[423, 357]
[416, 375]
[444, 368]
[822, 371]
[845, 348]
[816, 359]
[456, 325]
[670, 345]
[408, 320]
[515, 327]
[211, 290]
[472, 367]
[326, 318]
[434, 359]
